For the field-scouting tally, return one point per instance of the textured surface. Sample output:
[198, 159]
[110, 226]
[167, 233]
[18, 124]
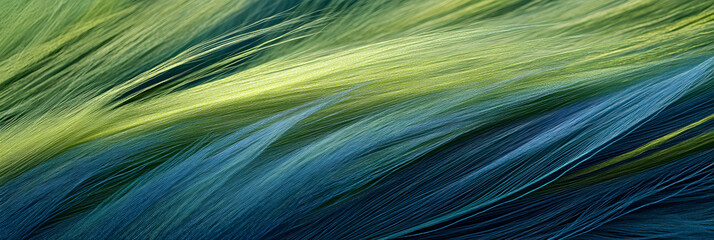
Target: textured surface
[347, 119]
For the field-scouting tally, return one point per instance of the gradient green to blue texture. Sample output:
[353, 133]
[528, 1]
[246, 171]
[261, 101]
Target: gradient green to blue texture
[356, 119]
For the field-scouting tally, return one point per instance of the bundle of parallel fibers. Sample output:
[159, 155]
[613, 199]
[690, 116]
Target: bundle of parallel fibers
[356, 119]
